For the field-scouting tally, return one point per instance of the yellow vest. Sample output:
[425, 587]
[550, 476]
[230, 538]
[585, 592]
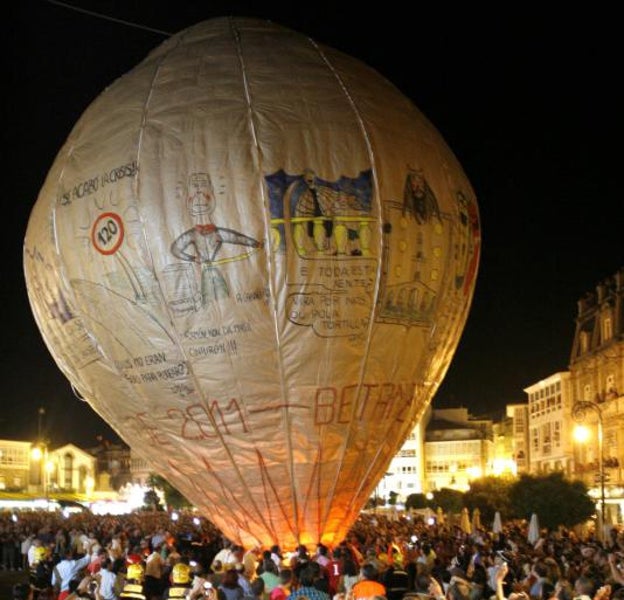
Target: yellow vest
[133, 590]
[177, 591]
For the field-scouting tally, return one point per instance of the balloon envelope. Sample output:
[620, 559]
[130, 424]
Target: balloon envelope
[254, 258]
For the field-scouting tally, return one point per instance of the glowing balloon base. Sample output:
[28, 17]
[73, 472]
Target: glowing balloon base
[254, 258]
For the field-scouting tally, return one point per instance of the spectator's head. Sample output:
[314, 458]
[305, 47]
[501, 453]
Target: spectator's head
[257, 587]
[268, 565]
[230, 579]
[135, 572]
[286, 576]
[548, 590]
[307, 577]
[459, 589]
[181, 573]
[22, 591]
[583, 586]
[369, 571]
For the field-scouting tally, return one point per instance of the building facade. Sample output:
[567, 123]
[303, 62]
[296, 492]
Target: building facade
[597, 379]
[537, 436]
[549, 424]
[15, 465]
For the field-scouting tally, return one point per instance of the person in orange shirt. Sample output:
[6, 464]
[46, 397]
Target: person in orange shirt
[368, 585]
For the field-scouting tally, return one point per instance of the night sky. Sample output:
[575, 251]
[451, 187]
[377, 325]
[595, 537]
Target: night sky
[529, 102]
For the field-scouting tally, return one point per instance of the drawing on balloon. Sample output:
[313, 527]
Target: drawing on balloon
[426, 242]
[325, 218]
[202, 244]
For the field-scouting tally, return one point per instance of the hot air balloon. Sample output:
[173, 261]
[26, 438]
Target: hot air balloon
[254, 257]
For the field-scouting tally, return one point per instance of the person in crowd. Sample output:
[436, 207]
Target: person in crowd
[350, 571]
[300, 560]
[68, 569]
[283, 590]
[225, 556]
[320, 577]
[201, 586]
[268, 572]
[396, 581]
[230, 589]
[243, 580]
[335, 571]
[251, 558]
[154, 573]
[216, 573]
[258, 589]
[369, 584]
[306, 588]
[180, 584]
[107, 580]
[22, 591]
[33, 553]
[133, 586]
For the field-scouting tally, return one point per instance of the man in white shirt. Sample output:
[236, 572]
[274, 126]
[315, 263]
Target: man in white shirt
[154, 565]
[67, 569]
[107, 580]
[32, 552]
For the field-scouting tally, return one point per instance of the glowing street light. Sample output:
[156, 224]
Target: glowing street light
[579, 412]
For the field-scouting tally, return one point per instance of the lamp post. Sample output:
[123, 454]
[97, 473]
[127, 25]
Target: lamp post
[579, 412]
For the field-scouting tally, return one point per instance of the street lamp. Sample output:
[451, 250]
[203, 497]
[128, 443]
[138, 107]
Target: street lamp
[579, 412]
[44, 467]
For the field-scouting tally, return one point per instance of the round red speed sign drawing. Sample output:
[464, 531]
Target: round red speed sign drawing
[107, 233]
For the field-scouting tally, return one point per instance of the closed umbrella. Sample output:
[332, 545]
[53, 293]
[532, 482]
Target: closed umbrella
[497, 526]
[476, 519]
[464, 521]
[533, 534]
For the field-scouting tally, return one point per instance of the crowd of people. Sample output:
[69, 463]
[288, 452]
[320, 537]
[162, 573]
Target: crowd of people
[149, 556]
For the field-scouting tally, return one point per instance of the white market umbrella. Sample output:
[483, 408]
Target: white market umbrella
[497, 526]
[533, 533]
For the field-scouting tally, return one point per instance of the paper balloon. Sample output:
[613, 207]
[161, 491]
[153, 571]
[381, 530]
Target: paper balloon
[254, 258]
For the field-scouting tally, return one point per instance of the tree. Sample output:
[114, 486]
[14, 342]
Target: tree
[555, 500]
[173, 497]
[152, 501]
[490, 494]
[416, 501]
[450, 501]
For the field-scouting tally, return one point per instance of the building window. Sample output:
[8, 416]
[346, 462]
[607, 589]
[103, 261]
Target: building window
[68, 467]
[535, 439]
[546, 433]
[607, 328]
[17, 458]
[584, 341]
